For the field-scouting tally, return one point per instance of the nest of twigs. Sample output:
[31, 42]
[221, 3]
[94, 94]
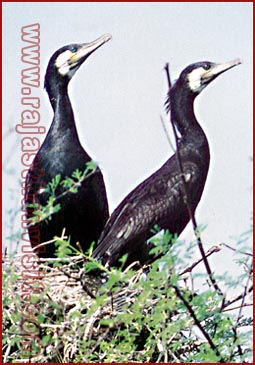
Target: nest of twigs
[61, 292]
[57, 311]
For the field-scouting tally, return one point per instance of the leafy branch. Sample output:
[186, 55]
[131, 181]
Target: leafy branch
[67, 185]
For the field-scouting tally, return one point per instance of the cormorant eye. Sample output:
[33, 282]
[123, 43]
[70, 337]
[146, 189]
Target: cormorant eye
[206, 67]
[74, 49]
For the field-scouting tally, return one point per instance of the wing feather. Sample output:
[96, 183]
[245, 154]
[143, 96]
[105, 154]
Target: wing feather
[153, 202]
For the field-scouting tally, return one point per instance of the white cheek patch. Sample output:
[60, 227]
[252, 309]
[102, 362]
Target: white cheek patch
[194, 79]
[63, 70]
[63, 58]
[62, 62]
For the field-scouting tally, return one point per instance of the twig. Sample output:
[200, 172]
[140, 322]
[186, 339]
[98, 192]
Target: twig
[5, 359]
[45, 244]
[212, 250]
[240, 351]
[76, 184]
[34, 220]
[171, 353]
[166, 133]
[78, 280]
[198, 324]
[234, 327]
[99, 340]
[238, 307]
[244, 294]
[237, 298]
[186, 197]
[234, 249]
[90, 324]
[161, 347]
[239, 348]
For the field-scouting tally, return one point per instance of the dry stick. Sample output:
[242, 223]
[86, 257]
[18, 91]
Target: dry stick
[237, 298]
[191, 214]
[208, 253]
[238, 307]
[166, 133]
[235, 250]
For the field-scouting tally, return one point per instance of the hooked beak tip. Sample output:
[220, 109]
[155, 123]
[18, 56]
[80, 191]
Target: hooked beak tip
[237, 61]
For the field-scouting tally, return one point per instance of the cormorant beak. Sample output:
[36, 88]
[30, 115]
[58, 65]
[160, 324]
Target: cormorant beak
[218, 68]
[86, 49]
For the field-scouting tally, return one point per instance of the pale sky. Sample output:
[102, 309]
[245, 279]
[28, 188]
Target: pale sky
[118, 96]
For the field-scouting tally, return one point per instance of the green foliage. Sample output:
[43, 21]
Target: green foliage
[57, 188]
[149, 315]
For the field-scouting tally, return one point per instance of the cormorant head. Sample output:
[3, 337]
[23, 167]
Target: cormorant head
[198, 75]
[66, 60]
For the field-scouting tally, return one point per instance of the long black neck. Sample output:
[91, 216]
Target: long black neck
[182, 109]
[63, 123]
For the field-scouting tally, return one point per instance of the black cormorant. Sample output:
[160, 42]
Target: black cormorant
[83, 214]
[159, 199]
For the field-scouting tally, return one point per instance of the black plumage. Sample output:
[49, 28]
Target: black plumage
[159, 200]
[83, 215]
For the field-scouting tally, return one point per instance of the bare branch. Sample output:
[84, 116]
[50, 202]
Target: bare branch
[238, 307]
[166, 133]
[212, 250]
[234, 249]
